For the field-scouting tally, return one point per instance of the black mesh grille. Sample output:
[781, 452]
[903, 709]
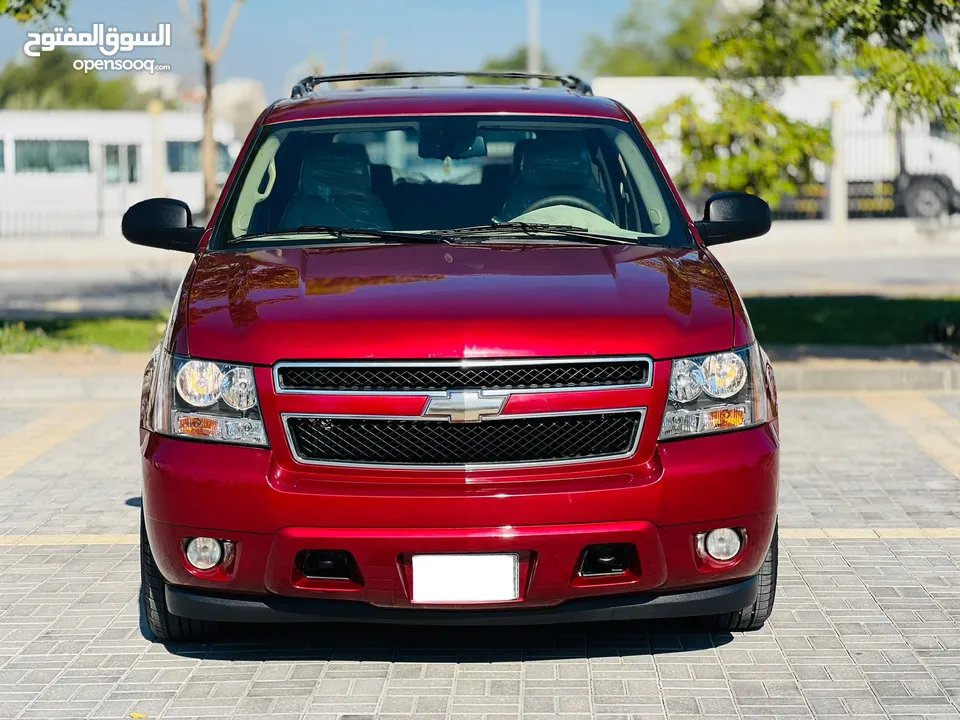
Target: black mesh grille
[419, 442]
[385, 378]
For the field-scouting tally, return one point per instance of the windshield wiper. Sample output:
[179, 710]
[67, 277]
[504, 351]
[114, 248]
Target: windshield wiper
[533, 230]
[347, 233]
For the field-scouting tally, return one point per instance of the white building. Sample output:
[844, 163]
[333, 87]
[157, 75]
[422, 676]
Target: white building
[76, 172]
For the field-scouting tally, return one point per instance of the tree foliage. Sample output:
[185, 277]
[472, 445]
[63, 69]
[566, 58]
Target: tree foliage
[677, 40]
[651, 40]
[893, 47]
[749, 145]
[49, 82]
[514, 61]
[31, 10]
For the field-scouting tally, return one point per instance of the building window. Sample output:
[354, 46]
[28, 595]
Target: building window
[2, 166]
[133, 164]
[52, 156]
[111, 164]
[185, 157]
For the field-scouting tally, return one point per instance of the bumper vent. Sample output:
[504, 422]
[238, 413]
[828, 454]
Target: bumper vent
[496, 443]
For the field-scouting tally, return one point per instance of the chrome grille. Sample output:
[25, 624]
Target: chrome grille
[412, 377]
[418, 443]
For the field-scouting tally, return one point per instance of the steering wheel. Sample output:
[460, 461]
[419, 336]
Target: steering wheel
[564, 200]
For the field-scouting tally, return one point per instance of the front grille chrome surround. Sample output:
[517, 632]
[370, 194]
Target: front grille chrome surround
[627, 449]
[417, 377]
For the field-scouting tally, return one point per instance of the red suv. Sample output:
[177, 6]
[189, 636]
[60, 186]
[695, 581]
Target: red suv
[455, 354]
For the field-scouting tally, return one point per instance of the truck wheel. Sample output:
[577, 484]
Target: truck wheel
[927, 198]
[161, 622]
[753, 617]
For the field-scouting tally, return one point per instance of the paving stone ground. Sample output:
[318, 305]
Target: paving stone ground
[865, 626]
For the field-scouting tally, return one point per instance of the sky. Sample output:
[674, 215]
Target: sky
[273, 37]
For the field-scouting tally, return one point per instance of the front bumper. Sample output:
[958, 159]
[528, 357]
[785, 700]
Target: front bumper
[237, 608]
[271, 513]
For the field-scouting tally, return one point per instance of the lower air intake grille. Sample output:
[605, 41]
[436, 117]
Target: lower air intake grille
[438, 443]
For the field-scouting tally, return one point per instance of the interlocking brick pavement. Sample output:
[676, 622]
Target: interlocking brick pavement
[866, 625]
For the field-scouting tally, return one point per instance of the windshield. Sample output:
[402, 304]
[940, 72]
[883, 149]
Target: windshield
[439, 173]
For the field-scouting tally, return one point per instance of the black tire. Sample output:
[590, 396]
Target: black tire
[927, 198]
[753, 617]
[153, 600]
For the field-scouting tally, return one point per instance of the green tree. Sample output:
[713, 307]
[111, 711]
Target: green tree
[513, 61]
[892, 46]
[650, 39]
[748, 145]
[49, 82]
[30, 10]
[677, 40]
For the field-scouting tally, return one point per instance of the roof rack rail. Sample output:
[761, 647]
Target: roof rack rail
[307, 85]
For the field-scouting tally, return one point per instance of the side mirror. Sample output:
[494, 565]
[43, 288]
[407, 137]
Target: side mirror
[161, 223]
[732, 216]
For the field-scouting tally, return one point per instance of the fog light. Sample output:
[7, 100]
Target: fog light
[722, 544]
[204, 553]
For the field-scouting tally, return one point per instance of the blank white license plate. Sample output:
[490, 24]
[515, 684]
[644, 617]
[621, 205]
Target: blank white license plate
[466, 578]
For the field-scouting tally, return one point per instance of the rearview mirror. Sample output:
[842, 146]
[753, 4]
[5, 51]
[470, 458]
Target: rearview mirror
[450, 137]
[732, 216]
[162, 223]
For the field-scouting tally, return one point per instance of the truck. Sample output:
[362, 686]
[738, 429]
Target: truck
[376, 402]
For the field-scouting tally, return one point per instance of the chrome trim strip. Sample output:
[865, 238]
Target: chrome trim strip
[631, 451]
[464, 363]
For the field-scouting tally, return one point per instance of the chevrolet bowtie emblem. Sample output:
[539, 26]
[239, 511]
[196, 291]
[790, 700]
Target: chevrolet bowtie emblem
[464, 406]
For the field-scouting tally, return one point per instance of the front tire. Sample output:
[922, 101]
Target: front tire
[153, 600]
[753, 617]
[927, 198]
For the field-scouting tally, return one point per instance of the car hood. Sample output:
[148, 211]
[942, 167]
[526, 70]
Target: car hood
[451, 301]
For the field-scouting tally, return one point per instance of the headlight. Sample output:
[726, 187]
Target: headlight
[198, 382]
[686, 381]
[724, 375]
[207, 400]
[715, 393]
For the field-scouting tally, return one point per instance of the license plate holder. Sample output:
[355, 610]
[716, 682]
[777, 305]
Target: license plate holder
[456, 579]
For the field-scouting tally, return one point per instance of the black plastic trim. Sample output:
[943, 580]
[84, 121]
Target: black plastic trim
[188, 603]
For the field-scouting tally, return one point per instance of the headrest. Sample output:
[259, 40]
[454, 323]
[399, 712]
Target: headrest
[562, 161]
[518, 150]
[336, 167]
